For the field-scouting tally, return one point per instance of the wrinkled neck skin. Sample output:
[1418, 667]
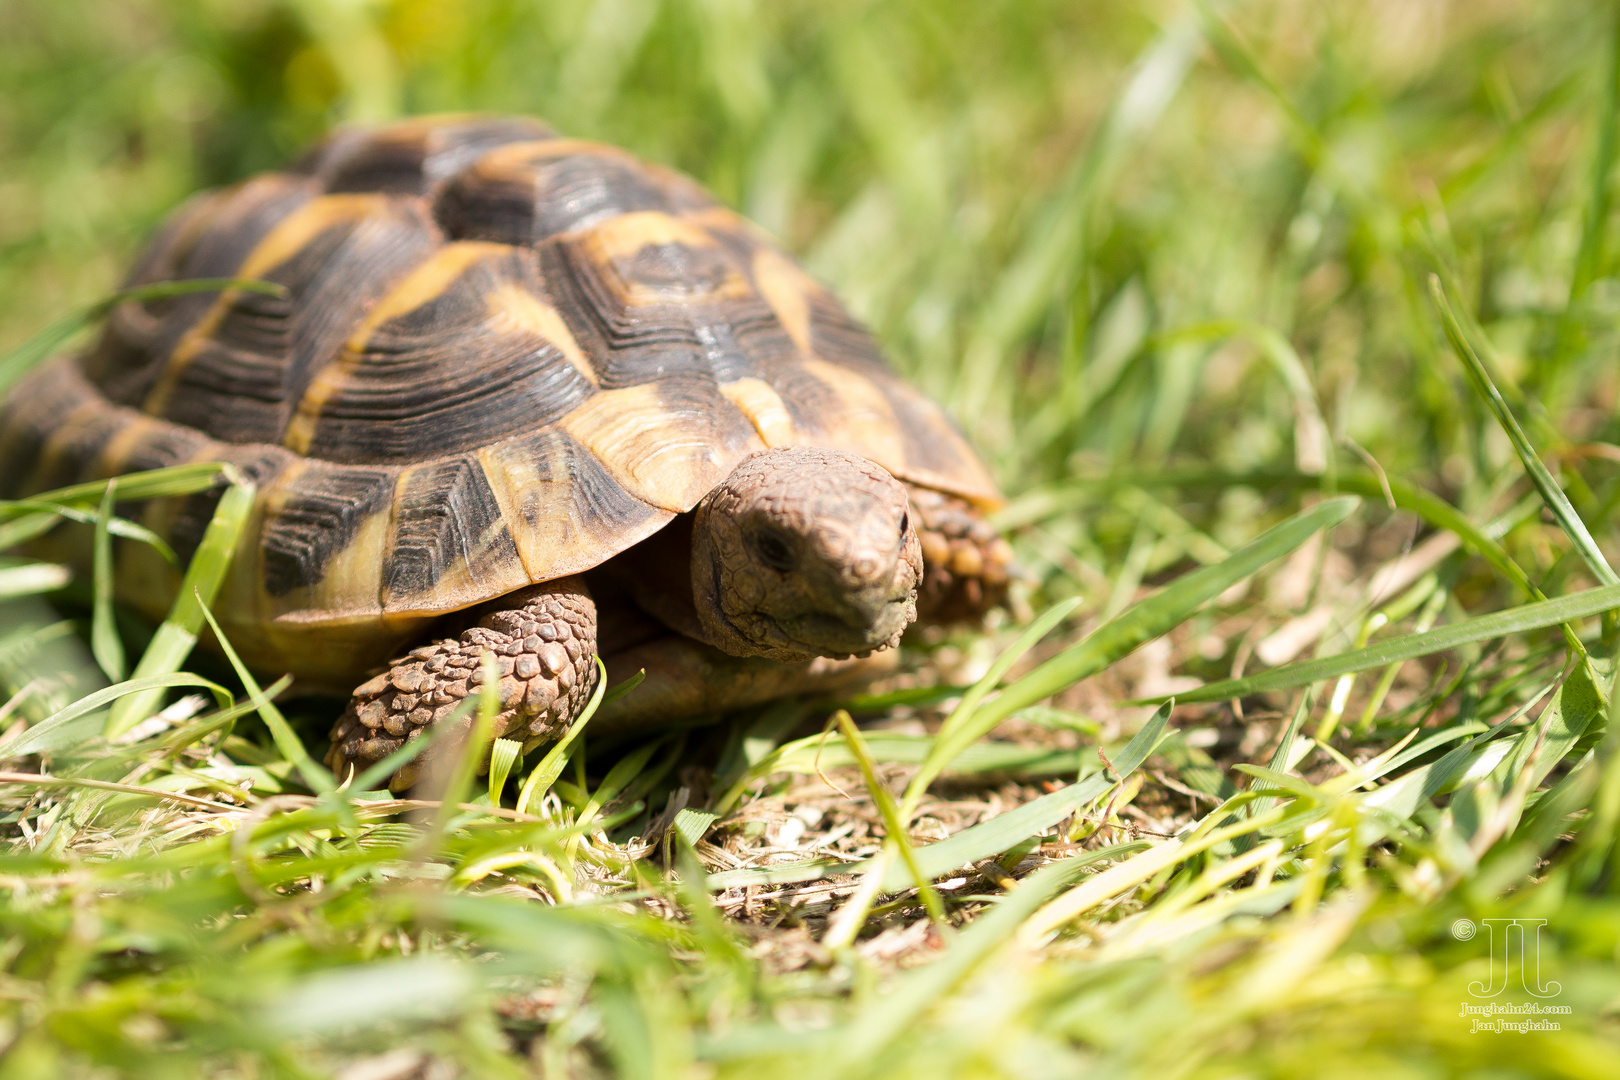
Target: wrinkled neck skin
[804, 552]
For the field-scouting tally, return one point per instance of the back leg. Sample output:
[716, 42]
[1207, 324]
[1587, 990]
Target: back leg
[543, 640]
[966, 563]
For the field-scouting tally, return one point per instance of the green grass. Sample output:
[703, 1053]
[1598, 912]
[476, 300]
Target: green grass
[1289, 329]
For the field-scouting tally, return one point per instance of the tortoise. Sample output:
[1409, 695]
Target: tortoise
[522, 394]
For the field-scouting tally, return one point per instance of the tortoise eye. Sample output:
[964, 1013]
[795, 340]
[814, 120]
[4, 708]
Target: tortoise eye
[905, 520]
[774, 551]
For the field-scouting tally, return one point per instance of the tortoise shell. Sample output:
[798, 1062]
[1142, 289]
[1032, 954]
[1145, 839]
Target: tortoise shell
[502, 357]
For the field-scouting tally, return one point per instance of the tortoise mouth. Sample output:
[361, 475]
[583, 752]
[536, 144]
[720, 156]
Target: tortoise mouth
[828, 635]
[820, 633]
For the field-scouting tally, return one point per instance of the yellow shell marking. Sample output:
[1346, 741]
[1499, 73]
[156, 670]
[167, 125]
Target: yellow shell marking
[622, 236]
[537, 500]
[659, 455]
[757, 400]
[111, 460]
[351, 578]
[516, 157]
[784, 285]
[515, 308]
[864, 418]
[289, 237]
[420, 286]
[423, 284]
[524, 495]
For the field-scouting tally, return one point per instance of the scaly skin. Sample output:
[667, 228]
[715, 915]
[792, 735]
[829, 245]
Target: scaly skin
[804, 552]
[544, 645]
[966, 563]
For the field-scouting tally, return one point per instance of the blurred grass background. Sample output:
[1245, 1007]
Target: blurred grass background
[1159, 242]
[1022, 198]
[984, 182]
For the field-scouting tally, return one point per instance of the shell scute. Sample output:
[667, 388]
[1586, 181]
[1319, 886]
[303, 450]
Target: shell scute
[137, 346]
[252, 358]
[449, 536]
[502, 357]
[562, 504]
[315, 511]
[653, 297]
[433, 373]
[413, 156]
[668, 443]
[527, 192]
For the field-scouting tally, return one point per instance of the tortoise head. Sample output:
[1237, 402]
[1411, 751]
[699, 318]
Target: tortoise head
[804, 552]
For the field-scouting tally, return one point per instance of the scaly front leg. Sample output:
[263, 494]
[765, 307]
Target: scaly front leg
[543, 640]
[966, 563]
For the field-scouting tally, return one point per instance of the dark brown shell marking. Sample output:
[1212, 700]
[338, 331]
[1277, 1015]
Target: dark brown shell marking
[502, 357]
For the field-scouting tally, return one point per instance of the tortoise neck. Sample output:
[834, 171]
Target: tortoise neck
[656, 575]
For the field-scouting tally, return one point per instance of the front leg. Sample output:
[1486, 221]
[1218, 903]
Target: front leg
[966, 563]
[543, 640]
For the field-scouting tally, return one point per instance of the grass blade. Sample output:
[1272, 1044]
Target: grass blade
[42, 736]
[1282, 758]
[1551, 493]
[1431, 508]
[40, 780]
[503, 756]
[33, 517]
[1595, 220]
[885, 1019]
[176, 637]
[21, 529]
[1526, 617]
[151, 484]
[1310, 426]
[1133, 872]
[1059, 235]
[958, 731]
[890, 747]
[551, 766]
[30, 579]
[892, 819]
[627, 770]
[104, 642]
[1160, 613]
[980, 841]
[292, 748]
